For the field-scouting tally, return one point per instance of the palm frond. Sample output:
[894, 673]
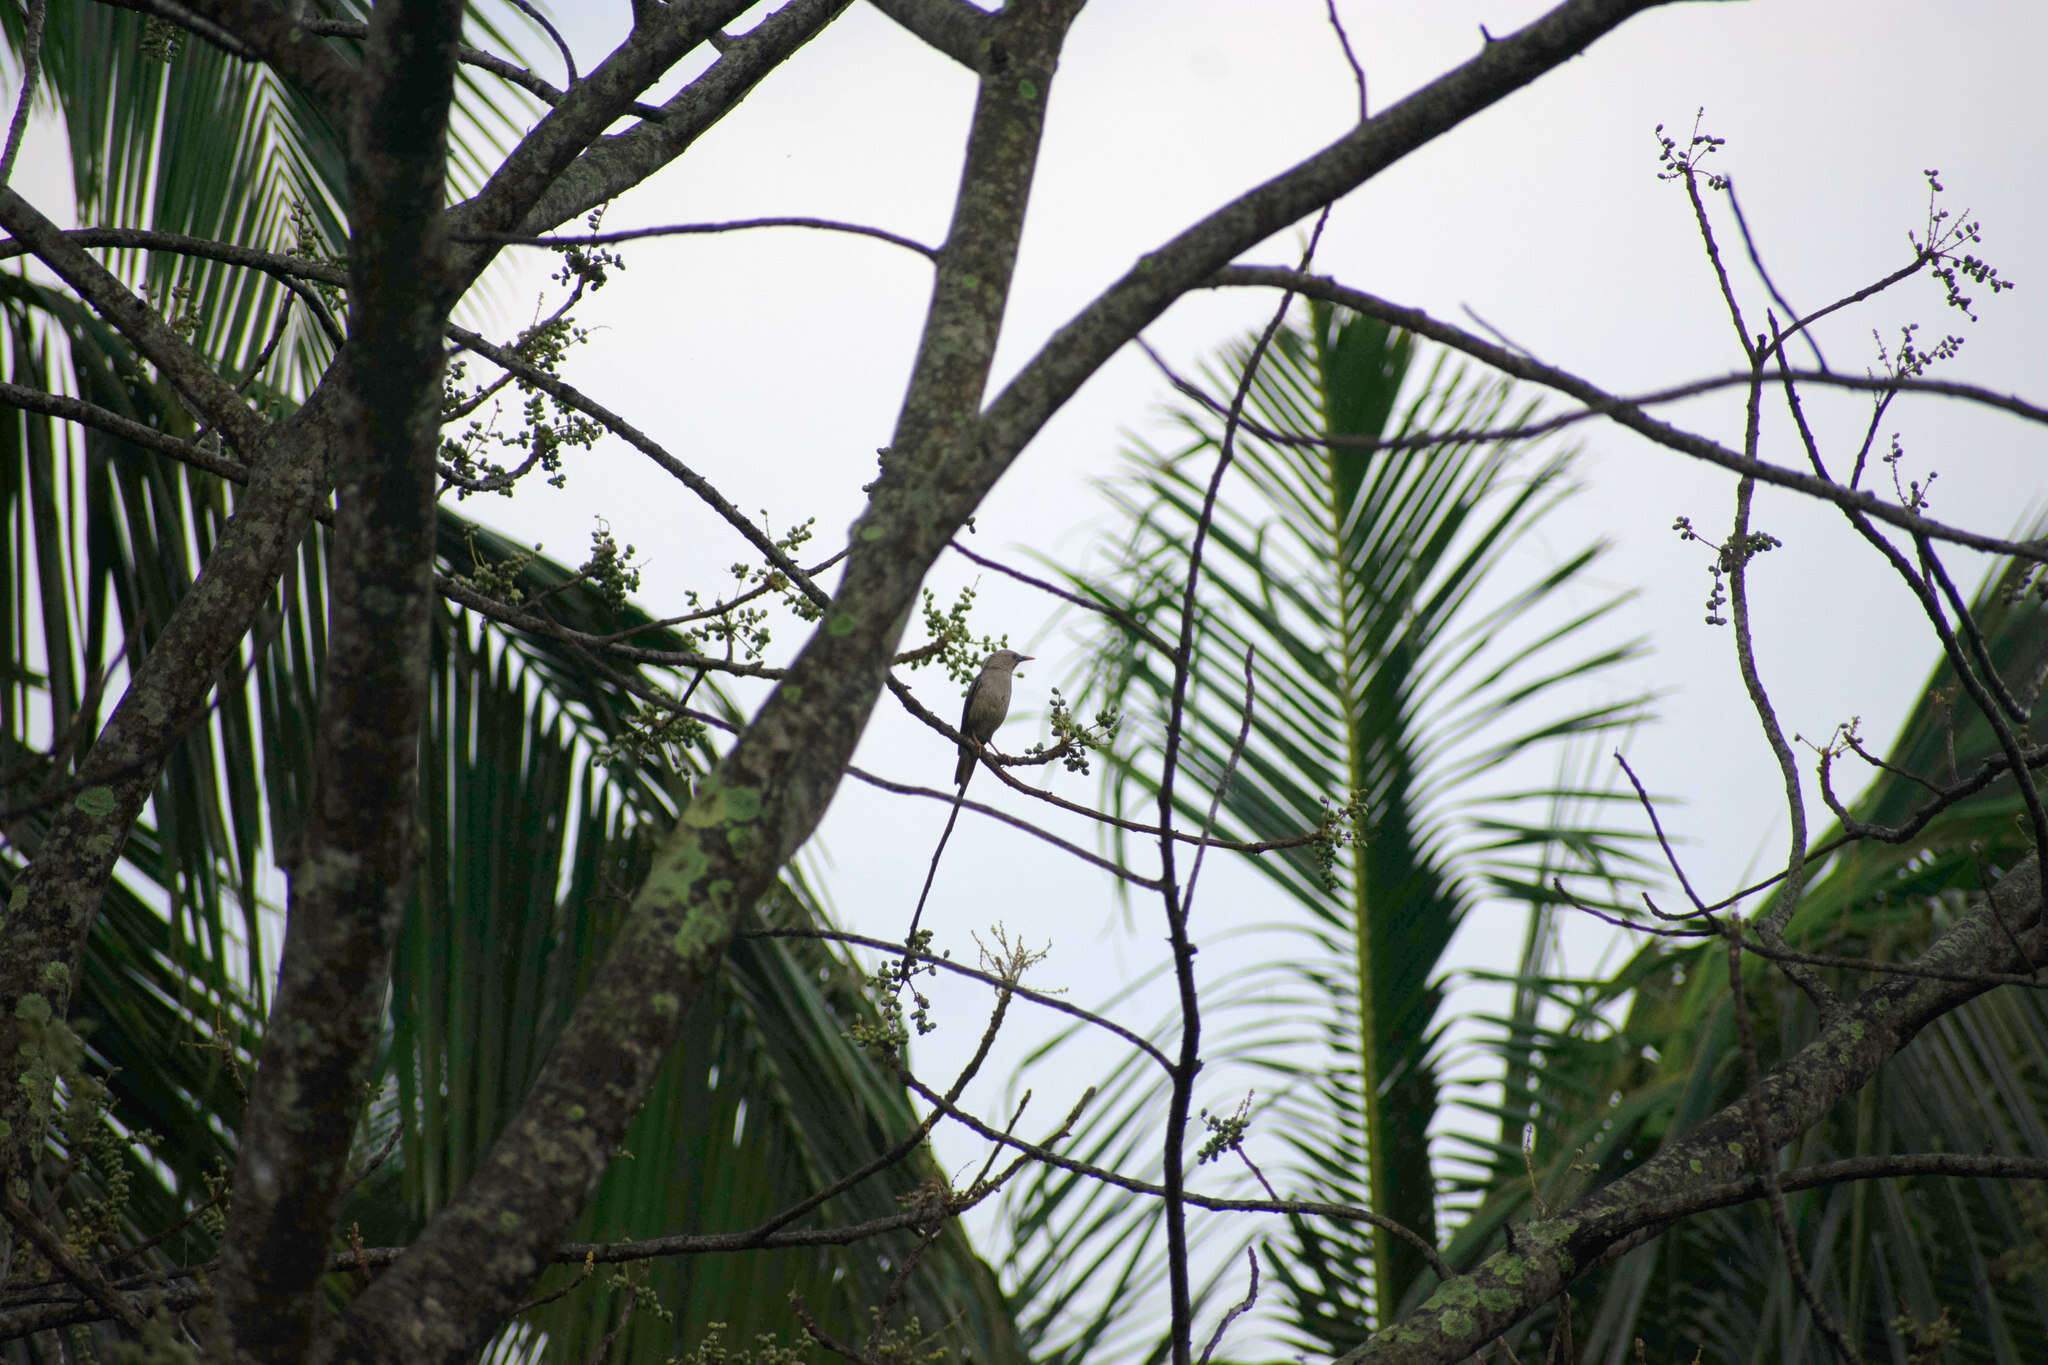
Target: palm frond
[1372, 594]
[1650, 1053]
[529, 838]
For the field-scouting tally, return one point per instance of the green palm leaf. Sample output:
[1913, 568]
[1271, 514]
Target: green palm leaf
[530, 842]
[1607, 1094]
[1371, 590]
[530, 851]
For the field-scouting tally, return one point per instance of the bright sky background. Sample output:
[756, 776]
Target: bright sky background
[774, 364]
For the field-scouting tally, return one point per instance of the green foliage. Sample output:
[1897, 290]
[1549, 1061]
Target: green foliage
[531, 844]
[1368, 590]
[1630, 1062]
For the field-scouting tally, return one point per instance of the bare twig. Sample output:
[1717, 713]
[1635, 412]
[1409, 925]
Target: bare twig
[1735, 559]
[1251, 1295]
[1181, 1096]
[699, 229]
[1631, 416]
[1051, 1002]
[1364, 113]
[1138, 629]
[31, 68]
[1756, 262]
[1656, 825]
[533, 12]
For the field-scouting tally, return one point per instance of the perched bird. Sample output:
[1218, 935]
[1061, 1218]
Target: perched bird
[988, 702]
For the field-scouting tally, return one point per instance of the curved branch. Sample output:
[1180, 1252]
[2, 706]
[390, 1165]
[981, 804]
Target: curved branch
[700, 229]
[1625, 413]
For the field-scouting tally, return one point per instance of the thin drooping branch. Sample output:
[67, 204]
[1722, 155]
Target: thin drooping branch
[540, 20]
[1131, 624]
[571, 396]
[706, 229]
[1756, 263]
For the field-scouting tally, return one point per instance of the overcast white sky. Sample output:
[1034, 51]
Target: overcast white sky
[774, 362]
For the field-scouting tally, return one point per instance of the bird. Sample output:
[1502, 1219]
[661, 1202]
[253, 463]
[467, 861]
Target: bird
[988, 702]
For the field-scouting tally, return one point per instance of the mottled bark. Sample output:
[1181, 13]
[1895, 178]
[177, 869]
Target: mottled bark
[353, 874]
[47, 917]
[479, 1255]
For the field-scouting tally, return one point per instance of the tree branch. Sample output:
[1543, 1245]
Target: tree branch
[1084, 344]
[352, 879]
[569, 129]
[127, 428]
[210, 397]
[286, 45]
[56, 899]
[1795, 1094]
[954, 27]
[615, 164]
[1517, 366]
[476, 1257]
